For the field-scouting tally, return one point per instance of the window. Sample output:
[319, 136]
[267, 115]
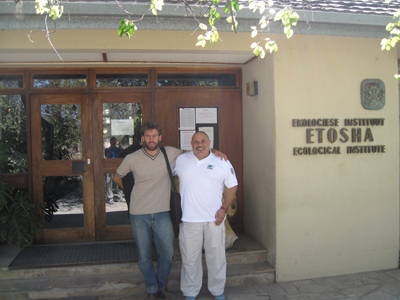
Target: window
[11, 81]
[197, 79]
[121, 80]
[59, 80]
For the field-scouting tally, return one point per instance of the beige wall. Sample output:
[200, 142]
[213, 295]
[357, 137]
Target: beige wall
[259, 155]
[335, 214]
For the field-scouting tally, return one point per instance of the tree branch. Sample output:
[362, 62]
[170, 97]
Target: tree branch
[129, 13]
[233, 18]
[48, 38]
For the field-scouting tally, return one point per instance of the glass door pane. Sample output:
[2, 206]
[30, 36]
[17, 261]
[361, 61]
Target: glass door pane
[122, 123]
[63, 198]
[61, 132]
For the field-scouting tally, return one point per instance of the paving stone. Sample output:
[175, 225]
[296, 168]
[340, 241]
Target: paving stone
[391, 288]
[329, 296]
[314, 288]
[341, 282]
[358, 291]
[379, 295]
[256, 297]
[289, 287]
[273, 289]
[394, 273]
[237, 290]
[376, 277]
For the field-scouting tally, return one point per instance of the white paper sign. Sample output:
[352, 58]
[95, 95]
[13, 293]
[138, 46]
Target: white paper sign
[210, 132]
[186, 138]
[186, 119]
[206, 115]
[122, 127]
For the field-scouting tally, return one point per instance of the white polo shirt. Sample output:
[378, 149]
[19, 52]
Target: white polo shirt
[201, 185]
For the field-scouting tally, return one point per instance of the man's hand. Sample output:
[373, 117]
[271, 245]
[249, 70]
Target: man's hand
[219, 216]
[229, 196]
[118, 181]
[219, 154]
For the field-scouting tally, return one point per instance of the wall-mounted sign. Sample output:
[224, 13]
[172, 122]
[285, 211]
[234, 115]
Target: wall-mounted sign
[321, 131]
[122, 127]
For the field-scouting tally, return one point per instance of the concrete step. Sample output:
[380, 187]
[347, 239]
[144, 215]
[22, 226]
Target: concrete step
[247, 264]
[118, 284]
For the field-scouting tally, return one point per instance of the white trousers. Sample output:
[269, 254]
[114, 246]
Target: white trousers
[191, 238]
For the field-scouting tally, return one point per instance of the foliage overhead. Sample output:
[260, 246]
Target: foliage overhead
[394, 30]
[210, 18]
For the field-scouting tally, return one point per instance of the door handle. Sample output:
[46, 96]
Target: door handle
[78, 167]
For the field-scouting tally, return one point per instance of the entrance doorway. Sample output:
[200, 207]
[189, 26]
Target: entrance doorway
[73, 126]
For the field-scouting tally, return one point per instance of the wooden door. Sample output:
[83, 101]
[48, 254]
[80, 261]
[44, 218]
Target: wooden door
[229, 104]
[71, 174]
[62, 173]
[111, 112]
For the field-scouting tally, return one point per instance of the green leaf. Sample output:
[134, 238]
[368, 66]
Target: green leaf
[203, 26]
[227, 8]
[235, 5]
[390, 26]
[279, 15]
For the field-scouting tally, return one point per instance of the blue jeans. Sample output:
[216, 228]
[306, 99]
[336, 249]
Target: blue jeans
[159, 225]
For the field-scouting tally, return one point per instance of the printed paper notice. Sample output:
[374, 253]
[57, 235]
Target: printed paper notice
[210, 132]
[206, 115]
[186, 137]
[122, 127]
[186, 119]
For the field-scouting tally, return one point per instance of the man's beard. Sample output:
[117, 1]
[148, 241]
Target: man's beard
[151, 148]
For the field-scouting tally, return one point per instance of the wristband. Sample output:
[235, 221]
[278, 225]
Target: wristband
[224, 209]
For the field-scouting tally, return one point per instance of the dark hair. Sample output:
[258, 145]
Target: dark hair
[151, 125]
[113, 138]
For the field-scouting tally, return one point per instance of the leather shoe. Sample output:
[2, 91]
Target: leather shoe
[163, 295]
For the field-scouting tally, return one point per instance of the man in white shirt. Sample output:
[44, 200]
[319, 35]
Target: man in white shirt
[202, 177]
[149, 207]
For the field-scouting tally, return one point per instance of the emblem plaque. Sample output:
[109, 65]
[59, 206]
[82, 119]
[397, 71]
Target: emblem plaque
[372, 94]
